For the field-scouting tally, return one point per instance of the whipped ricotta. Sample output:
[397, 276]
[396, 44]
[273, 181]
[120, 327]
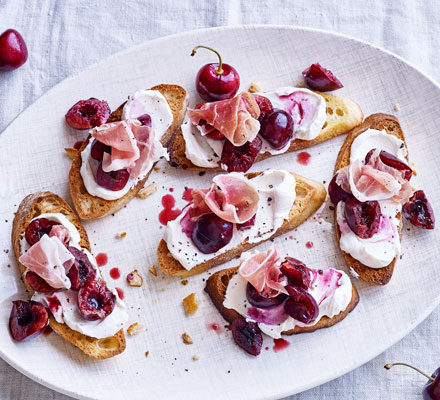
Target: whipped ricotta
[235, 298]
[276, 190]
[379, 250]
[68, 312]
[153, 103]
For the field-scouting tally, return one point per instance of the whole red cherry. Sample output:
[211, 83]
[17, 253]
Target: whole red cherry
[431, 390]
[216, 81]
[13, 50]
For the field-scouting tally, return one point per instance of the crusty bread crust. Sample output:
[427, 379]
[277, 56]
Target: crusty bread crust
[92, 207]
[217, 284]
[47, 202]
[342, 115]
[310, 194]
[375, 276]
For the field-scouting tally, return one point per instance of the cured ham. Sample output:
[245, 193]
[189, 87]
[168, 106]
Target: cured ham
[231, 197]
[61, 232]
[263, 273]
[51, 260]
[236, 118]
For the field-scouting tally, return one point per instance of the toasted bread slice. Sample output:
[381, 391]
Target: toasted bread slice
[217, 284]
[342, 115]
[309, 196]
[47, 202]
[92, 207]
[389, 123]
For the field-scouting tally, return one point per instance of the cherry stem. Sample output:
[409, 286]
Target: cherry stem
[388, 366]
[219, 70]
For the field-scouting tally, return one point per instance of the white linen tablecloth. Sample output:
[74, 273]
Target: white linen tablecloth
[64, 37]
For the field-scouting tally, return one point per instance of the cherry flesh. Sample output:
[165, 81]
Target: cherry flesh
[98, 149]
[392, 161]
[216, 81]
[296, 272]
[37, 228]
[81, 272]
[86, 114]
[240, 159]
[265, 106]
[362, 218]
[260, 301]
[211, 233]
[319, 78]
[418, 211]
[277, 128]
[247, 335]
[248, 224]
[27, 319]
[113, 180]
[13, 50]
[37, 283]
[301, 305]
[95, 301]
[336, 193]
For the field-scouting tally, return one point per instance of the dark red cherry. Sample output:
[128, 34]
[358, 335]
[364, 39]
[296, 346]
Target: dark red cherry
[211, 233]
[319, 78]
[37, 283]
[247, 335]
[145, 119]
[277, 128]
[82, 271]
[336, 193]
[216, 81]
[240, 159]
[248, 224]
[296, 272]
[86, 114]
[13, 50]
[95, 301]
[27, 319]
[265, 106]
[98, 149]
[260, 301]
[392, 161]
[301, 305]
[113, 180]
[418, 211]
[362, 218]
[37, 228]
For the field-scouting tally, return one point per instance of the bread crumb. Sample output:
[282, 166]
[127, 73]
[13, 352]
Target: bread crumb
[195, 358]
[163, 289]
[71, 152]
[413, 167]
[397, 107]
[134, 278]
[135, 328]
[191, 304]
[156, 168]
[147, 191]
[153, 270]
[147, 353]
[184, 282]
[186, 338]
[121, 235]
[254, 87]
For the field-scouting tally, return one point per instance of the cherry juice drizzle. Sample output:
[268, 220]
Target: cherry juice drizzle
[115, 273]
[309, 245]
[303, 158]
[120, 293]
[101, 259]
[187, 194]
[169, 213]
[214, 327]
[280, 344]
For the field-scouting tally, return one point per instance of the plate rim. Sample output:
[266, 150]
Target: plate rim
[318, 381]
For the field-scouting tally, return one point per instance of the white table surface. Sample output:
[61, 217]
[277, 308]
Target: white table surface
[64, 37]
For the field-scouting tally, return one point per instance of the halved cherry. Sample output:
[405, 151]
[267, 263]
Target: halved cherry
[265, 106]
[260, 301]
[296, 272]
[418, 211]
[145, 119]
[240, 159]
[362, 218]
[82, 271]
[113, 180]
[27, 319]
[37, 283]
[320, 78]
[247, 335]
[37, 228]
[392, 161]
[98, 149]
[301, 305]
[86, 114]
[95, 301]
[336, 193]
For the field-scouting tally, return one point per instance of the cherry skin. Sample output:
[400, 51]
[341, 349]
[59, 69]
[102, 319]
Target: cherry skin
[260, 301]
[216, 81]
[211, 233]
[277, 128]
[336, 193]
[13, 50]
[98, 149]
[27, 319]
[113, 180]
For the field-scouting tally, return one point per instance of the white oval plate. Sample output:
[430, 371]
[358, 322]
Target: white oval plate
[33, 159]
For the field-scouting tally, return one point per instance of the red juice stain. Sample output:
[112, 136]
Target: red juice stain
[47, 330]
[171, 190]
[53, 303]
[309, 245]
[120, 293]
[291, 237]
[303, 158]
[215, 327]
[101, 259]
[187, 194]
[115, 273]
[169, 213]
[78, 144]
[267, 348]
[280, 344]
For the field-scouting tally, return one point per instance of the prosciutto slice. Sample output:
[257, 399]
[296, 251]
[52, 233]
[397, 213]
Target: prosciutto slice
[236, 118]
[231, 197]
[374, 181]
[50, 260]
[262, 271]
[61, 232]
